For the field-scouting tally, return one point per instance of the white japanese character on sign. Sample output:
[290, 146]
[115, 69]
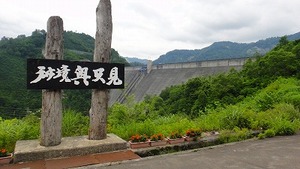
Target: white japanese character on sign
[98, 73]
[113, 77]
[42, 74]
[63, 73]
[81, 73]
[50, 73]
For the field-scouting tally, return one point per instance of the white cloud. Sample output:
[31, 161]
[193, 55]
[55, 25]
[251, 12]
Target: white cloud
[150, 28]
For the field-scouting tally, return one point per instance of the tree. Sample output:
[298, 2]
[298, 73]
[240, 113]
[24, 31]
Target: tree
[283, 41]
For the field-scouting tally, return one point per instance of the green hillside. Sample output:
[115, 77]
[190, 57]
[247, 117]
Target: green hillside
[15, 99]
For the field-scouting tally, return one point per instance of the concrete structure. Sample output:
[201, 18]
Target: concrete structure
[140, 81]
[31, 150]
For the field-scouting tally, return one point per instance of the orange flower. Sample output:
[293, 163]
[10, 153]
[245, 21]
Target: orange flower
[193, 133]
[3, 152]
[138, 138]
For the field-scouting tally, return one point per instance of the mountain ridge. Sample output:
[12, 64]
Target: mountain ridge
[222, 50]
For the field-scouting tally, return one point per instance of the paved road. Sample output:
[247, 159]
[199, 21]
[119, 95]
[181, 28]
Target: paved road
[273, 153]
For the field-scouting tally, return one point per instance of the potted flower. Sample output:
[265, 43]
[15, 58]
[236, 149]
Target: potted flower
[157, 140]
[5, 157]
[175, 138]
[192, 135]
[139, 141]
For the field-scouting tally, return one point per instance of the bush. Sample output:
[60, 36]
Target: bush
[18, 129]
[28, 128]
[74, 124]
[235, 117]
[284, 127]
[269, 133]
[209, 122]
[227, 136]
[261, 136]
[294, 99]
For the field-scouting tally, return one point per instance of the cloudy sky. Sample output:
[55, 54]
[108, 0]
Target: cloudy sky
[149, 28]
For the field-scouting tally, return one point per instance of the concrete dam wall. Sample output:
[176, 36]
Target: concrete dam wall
[142, 81]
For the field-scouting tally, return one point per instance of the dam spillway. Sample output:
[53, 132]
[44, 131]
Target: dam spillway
[151, 80]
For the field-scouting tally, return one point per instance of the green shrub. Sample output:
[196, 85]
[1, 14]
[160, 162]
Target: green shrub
[294, 99]
[227, 136]
[18, 129]
[284, 127]
[284, 111]
[269, 133]
[235, 117]
[74, 124]
[261, 136]
[210, 121]
[266, 100]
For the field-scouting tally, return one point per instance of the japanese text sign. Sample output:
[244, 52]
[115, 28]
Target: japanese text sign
[62, 74]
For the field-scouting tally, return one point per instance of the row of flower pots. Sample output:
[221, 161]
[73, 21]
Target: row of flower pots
[149, 143]
[142, 141]
[5, 157]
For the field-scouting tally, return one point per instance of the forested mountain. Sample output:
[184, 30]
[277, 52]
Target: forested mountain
[15, 99]
[136, 61]
[222, 50]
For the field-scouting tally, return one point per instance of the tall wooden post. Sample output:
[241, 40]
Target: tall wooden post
[100, 97]
[51, 117]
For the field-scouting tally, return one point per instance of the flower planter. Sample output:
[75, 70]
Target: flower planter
[158, 143]
[189, 139]
[137, 145]
[6, 160]
[176, 141]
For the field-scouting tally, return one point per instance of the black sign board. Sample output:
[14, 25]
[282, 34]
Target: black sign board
[62, 74]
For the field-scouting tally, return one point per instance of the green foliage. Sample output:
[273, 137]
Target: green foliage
[283, 41]
[227, 136]
[74, 124]
[27, 128]
[164, 125]
[17, 129]
[269, 109]
[198, 95]
[282, 61]
[209, 122]
[234, 117]
[78, 41]
[133, 112]
[267, 134]
[284, 127]
[78, 100]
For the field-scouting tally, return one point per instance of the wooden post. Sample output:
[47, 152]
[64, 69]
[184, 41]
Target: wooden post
[51, 117]
[100, 98]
